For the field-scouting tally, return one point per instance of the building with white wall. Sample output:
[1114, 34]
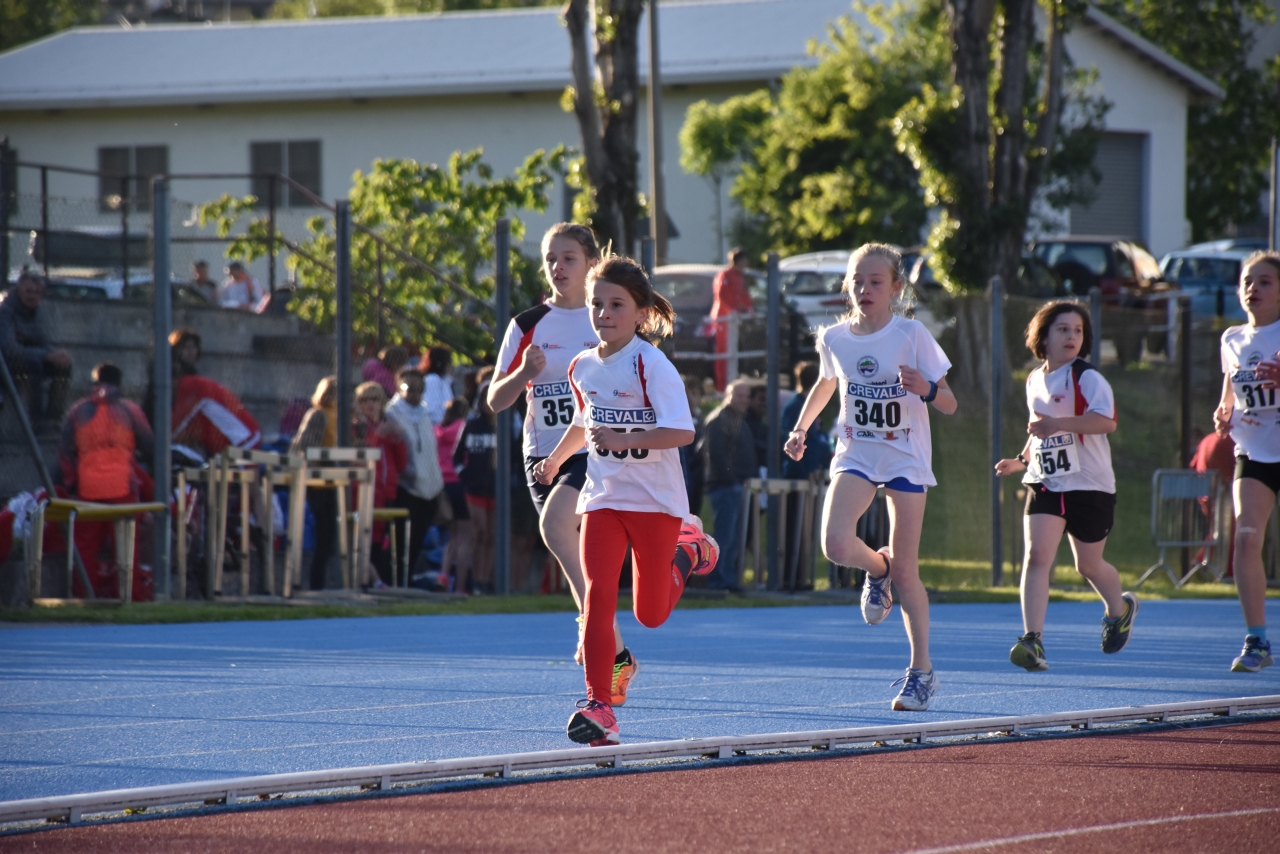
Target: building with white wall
[321, 99]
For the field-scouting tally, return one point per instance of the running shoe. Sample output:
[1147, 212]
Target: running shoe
[702, 548]
[917, 688]
[877, 597]
[593, 724]
[625, 668]
[1115, 633]
[1028, 653]
[1255, 655]
[582, 633]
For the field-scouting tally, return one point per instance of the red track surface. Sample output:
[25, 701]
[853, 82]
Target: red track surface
[1067, 794]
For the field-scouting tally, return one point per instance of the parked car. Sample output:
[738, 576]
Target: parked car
[1035, 279]
[689, 288]
[1248, 243]
[1134, 291]
[1211, 277]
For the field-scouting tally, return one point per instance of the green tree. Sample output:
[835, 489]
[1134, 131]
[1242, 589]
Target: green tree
[22, 21]
[819, 164]
[1228, 143]
[428, 218]
[357, 8]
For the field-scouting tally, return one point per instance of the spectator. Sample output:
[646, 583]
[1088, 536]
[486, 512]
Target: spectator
[207, 417]
[729, 289]
[1218, 453]
[817, 450]
[240, 291]
[695, 473]
[372, 429]
[384, 368]
[730, 457]
[97, 455]
[421, 482]
[476, 457]
[757, 412]
[202, 284]
[437, 366]
[26, 351]
[448, 432]
[319, 429]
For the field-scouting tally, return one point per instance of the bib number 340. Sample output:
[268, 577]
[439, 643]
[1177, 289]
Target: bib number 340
[881, 416]
[632, 453]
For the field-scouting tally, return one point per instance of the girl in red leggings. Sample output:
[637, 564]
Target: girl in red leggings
[630, 408]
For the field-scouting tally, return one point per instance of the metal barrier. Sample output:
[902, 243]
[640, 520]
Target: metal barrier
[731, 355]
[802, 548]
[1185, 512]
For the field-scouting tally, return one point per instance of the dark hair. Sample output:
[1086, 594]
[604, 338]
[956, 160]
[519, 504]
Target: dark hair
[438, 360]
[393, 357]
[200, 262]
[28, 276]
[405, 373]
[235, 265]
[1262, 256]
[1038, 328]
[737, 254]
[457, 409]
[627, 274]
[806, 374]
[107, 373]
[583, 236]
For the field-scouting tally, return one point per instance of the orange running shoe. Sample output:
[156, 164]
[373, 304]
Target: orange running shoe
[623, 672]
[699, 544]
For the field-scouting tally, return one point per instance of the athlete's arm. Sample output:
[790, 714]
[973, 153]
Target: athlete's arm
[505, 389]
[1226, 408]
[1090, 423]
[813, 406]
[570, 443]
[1014, 466]
[657, 439]
[914, 382]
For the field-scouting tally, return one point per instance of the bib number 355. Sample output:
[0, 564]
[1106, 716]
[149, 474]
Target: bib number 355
[557, 411]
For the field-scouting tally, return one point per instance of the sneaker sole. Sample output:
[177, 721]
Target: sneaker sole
[1241, 667]
[621, 699]
[874, 620]
[1133, 600]
[1027, 661]
[583, 730]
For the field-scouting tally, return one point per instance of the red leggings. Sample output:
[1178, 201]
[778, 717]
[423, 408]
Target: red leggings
[655, 585]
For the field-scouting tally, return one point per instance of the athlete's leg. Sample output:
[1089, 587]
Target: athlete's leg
[561, 531]
[848, 498]
[603, 547]
[1043, 532]
[906, 518]
[1102, 576]
[656, 584]
[1254, 502]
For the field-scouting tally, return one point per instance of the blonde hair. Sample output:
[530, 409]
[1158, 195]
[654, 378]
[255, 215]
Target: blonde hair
[371, 388]
[903, 301]
[580, 234]
[630, 276]
[326, 388]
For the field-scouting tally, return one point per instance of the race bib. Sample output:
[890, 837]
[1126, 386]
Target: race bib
[877, 407]
[1250, 392]
[624, 421]
[553, 404]
[1055, 456]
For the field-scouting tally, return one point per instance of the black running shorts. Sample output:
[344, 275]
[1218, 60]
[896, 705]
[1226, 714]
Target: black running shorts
[1090, 514]
[1266, 473]
[573, 473]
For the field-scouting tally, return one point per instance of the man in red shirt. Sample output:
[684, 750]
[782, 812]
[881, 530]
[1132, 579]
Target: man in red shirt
[730, 291]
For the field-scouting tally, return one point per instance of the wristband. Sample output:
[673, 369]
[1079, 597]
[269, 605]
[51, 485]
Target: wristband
[933, 392]
[1023, 459]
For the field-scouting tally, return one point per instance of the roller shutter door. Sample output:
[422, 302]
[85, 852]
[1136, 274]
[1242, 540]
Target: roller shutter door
[1118, 206]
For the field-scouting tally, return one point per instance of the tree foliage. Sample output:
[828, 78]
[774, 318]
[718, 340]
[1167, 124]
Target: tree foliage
[356, 8]
[1228, 143]
[22, 21]
[443, 217]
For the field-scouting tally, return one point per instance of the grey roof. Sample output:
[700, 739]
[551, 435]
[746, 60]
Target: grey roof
[437, 54]
[1195, 81]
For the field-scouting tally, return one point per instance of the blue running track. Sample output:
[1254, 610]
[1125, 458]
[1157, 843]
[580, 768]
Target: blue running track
[91, 708]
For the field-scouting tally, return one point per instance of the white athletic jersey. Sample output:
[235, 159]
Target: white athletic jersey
[562, 333]
[633, 390]
[1255, 423]
[1066, 462]
[883, 430]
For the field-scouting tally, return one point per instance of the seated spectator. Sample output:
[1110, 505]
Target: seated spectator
[448, 432]
[202, 284]
[97, 455]
[384, 368]
[319, 429]
[207, 417]
[372, 429]
[25, 349]
[729, 454]
[421, 482]
[476, 458]
[239, 290]
[437, 368]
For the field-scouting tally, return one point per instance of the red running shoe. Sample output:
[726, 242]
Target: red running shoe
[701, 546]
[594, 724]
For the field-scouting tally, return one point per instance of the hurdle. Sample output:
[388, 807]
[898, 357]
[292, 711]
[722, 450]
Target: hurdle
[69, 510]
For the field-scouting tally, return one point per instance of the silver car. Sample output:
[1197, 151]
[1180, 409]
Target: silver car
[813, 283]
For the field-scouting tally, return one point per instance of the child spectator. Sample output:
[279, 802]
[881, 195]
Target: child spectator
[372, 429]
[448, 432]
[385, 367]
[421, 483]
[319, 429]
[476, 457]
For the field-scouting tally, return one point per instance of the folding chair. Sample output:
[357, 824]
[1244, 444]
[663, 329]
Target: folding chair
[1185, 513]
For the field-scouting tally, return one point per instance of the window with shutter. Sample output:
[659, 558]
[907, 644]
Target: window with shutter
[1118, 208]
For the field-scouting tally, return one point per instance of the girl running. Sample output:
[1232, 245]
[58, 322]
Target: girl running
[534, 361]
[1248, 413]
[1070, 484]
[629, 404]
[888, 369]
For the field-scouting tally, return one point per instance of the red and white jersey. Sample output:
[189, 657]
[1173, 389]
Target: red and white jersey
[562, 333]
[1255, 422]
[883, 430]
[634, 390]
[1066, 462]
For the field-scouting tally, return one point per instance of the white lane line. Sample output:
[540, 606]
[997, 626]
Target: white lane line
[1078, 831]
